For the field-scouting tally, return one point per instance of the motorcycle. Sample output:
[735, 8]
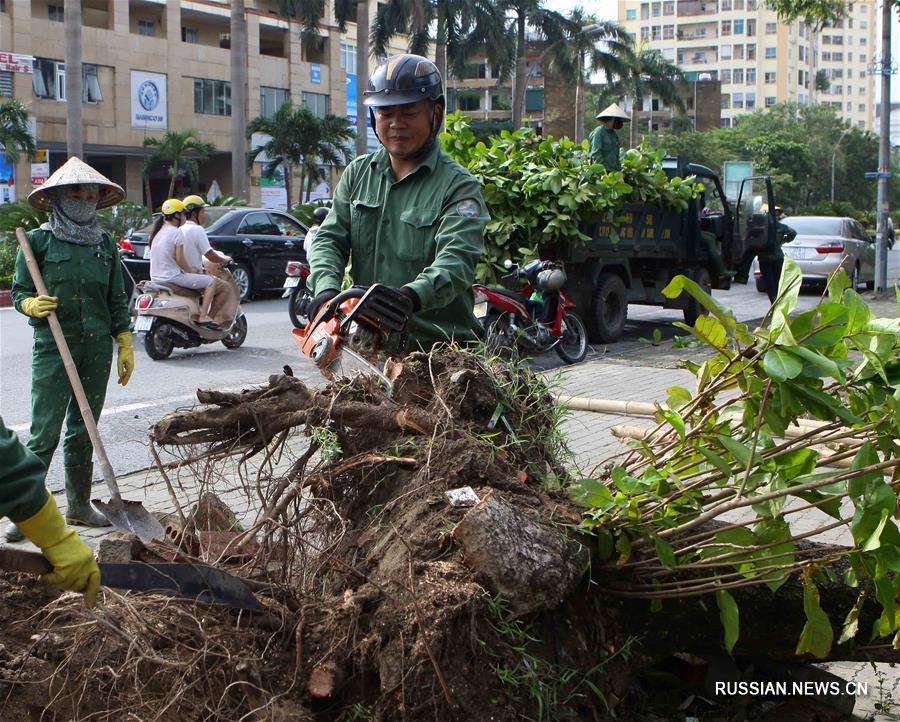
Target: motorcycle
[296, 290]
[514, 320]
[167, 317]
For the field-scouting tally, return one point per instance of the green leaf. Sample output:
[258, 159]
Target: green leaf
[817, 635]
[851, 623]
[665, 553]
[729, 616]
[816, 364]
[738, 450]
[788, 288]
[711, 329]
[675, 421]
[682, 284]
[796, 463]
[874, 540]
[781, 365]
[716, 461]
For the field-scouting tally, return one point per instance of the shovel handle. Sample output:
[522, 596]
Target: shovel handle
[31, 262]
[19, 560]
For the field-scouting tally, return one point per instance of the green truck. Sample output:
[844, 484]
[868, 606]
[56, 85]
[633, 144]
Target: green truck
[632, 260]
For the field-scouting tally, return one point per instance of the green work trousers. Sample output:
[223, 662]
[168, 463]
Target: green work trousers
[52, 398]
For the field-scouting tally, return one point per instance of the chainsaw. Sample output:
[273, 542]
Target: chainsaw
[351, 329]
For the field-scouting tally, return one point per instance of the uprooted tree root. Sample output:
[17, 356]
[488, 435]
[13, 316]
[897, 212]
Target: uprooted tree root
[382, 600]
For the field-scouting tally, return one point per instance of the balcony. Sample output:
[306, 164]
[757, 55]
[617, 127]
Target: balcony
[694, 9]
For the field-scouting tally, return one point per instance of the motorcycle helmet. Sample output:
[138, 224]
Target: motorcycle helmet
[550, 279]
[194, 203]
[172, 207]
[319, 214]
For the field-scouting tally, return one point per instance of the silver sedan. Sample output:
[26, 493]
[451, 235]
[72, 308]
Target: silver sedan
[825, 243]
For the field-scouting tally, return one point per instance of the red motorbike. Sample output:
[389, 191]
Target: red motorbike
[296, 290]
[514, 320]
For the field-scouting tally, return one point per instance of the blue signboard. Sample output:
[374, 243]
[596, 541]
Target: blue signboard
[315, 73]
[372, 143]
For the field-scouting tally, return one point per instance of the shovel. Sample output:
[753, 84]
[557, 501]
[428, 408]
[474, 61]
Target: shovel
[124, 515]
[191, 581]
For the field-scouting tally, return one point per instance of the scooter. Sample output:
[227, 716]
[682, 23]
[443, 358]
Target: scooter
[514, 321]
[167, 317]
[297, 291]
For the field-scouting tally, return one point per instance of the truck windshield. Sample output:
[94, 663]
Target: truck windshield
[815, 226]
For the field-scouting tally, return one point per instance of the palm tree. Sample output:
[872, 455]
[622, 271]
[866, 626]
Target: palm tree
[74, 128]
[308, 13]
[238, 98]
[298, 138]
[15, 135]
[647, 72]
[590, 46]
[183, 151]
[462, 28]
[520, 15]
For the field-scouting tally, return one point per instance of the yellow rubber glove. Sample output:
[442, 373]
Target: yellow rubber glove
[126, 356]
[73, 562]
[39, 306]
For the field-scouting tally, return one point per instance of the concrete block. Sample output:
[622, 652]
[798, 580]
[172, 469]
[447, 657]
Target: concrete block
[118, 548]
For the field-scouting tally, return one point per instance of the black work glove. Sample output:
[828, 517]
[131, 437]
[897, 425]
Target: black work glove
[412, 296]
[320, 299]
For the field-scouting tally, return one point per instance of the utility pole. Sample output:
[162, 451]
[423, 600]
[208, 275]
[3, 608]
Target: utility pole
[884, 151]
[74, 126]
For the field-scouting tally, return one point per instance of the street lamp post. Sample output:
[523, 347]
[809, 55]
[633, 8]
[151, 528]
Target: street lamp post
[593, 27]
[833, 156]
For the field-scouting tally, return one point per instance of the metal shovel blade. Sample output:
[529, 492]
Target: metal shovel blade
[132, 518]
[191, 581]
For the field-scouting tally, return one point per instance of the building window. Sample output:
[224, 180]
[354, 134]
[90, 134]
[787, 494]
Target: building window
[750, 102]
[770, 101]
[837, 57]
[348, 57]
[225, 41]
[771, 28]
[501, 101]
[316, 102]
[645, 11]
[837, 39]
[751, 6]
[738, 52]
[737, 76]
[737, 100]
[469, 100]
[657, 10]
[751, 76]
[726, 77]
[56, 13]
[668, 32]
[146, 27]
[6, 83]
[212, 97]
[726, 27]
[724, 122]
[725, 5]
[725, 102]
[769, 78]
[645, 33]
[534, 100]
[271, 99]
[631, 14]
[751, 52]
[90, 85]
[190, 35]
[863, 41]
[669, 7]
[738, 4]
[655, 32]
[861, 107]
[771, 53]
[751, 28]
[863, 24]
[48, 79]
[738, 27]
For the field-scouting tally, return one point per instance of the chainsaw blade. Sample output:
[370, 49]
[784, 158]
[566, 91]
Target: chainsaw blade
[348, 362]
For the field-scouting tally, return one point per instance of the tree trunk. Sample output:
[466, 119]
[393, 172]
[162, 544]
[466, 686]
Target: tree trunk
[174, 174]
[148, 194]
[362, 76]
[579, 100]
[300, 182]
[74, 127]
[440, 48]
[632, 131]
[287, 183]
[239, 100]
[519, 80]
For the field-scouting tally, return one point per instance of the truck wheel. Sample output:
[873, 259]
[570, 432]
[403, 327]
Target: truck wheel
[608, 310]
[694, 310]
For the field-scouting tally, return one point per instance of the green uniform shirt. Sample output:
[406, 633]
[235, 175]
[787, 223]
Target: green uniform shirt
[425, 231]
[87, 280]
[22, 492]
[605, 148]
[783, 234]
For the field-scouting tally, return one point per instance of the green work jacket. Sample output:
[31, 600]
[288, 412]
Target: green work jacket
[605, 148]
[22, 491]
[783, 234]
[425, 231]
[87, 280]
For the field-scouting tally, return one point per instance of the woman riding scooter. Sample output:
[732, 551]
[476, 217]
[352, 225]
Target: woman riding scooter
[168, 265]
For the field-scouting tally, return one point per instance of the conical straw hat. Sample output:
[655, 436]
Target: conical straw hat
[76, 172]
[613, 111]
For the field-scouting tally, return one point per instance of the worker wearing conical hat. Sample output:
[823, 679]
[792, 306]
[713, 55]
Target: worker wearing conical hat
[80, 266]
[604, 140]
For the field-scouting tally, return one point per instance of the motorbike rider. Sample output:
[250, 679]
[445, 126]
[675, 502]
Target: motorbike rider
[319, 215]
[80, 266]
[407, 215]
[168, 265]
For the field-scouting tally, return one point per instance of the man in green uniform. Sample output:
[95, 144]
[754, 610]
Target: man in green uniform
[604, 140]
[80, 267]
[772, 259]
[25, 500]
[407, 215]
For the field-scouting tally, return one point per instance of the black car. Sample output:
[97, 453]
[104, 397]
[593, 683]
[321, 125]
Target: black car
[260, 240]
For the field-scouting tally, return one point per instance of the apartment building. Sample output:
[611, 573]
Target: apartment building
[154, 65]
[760, 60]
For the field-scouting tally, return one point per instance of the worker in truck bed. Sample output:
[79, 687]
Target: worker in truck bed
[604, 139]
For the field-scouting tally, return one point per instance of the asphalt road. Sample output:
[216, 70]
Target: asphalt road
[158, 387]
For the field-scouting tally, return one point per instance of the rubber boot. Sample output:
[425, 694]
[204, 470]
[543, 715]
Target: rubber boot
[78, 496]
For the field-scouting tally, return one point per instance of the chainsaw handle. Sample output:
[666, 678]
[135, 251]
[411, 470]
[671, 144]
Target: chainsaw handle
[332, 305]
[19, 560]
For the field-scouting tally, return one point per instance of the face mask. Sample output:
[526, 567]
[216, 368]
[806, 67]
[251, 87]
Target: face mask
[77, 209]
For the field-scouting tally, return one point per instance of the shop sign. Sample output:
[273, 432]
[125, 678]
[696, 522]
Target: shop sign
[16, 63]
[149, 107]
